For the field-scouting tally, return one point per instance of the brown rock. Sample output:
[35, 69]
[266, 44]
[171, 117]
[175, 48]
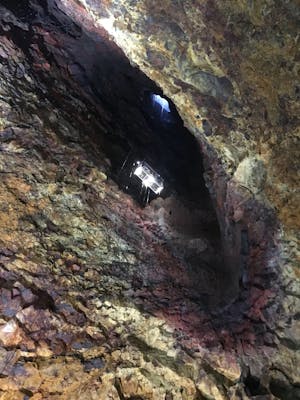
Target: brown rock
[11, 334]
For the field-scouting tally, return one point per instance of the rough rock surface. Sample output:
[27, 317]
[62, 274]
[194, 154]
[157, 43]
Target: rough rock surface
[101, 299]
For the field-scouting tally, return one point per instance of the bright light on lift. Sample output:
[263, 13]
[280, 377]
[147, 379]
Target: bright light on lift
[150, 179]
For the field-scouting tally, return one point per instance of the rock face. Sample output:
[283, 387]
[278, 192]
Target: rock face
[193, 296]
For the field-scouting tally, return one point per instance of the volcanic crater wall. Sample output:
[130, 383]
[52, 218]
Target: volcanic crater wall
[101, 298]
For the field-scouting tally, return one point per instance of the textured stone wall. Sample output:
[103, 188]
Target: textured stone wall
[232, 68]
[96, 300]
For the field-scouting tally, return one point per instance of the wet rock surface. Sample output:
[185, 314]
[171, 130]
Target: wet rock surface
[100, 298]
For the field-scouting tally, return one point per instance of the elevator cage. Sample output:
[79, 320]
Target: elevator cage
[149, 178]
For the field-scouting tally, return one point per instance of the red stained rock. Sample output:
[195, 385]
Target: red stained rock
[126, 261]
[34, 319]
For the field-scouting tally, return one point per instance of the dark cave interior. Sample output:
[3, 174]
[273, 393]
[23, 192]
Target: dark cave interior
[105, 77]
[120, 124]
[108, 107]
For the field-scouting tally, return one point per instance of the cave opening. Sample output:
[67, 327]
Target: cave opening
[139, 128]
[183, 212]
[168, 147]
[120, 117]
